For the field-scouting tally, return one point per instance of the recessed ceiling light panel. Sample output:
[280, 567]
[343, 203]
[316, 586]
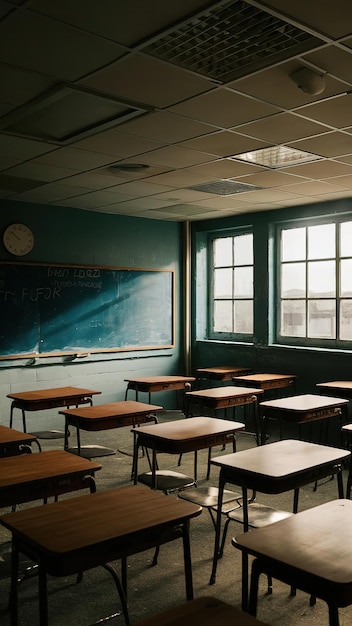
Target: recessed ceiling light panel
[276, 157]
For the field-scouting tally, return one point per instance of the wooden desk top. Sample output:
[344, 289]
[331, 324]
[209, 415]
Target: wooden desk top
[188, 429]
[115, 515]
[112, 410]
[158, 383]
[42, 475]
[10, 435]
[304, 403]
[31, 468]
[206, 610]
[224, 372]
[272, 467]
[55, 394]
[230, 391]
[339, 386]
[266, 381]
[318, 541]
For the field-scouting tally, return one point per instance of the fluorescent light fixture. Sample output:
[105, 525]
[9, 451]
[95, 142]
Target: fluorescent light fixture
[276, 157]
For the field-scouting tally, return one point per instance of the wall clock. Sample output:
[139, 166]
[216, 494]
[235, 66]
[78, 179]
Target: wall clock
[18, 239]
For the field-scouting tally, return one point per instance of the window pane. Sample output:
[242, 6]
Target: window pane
[321, 241]
[293, 318]
[223, 316]
[243, 282]
[321, 279]
[293, 280]
[293, 244]
[223, 251]
[346, 278]
[346, 239]
[346, 320]
[243, 250]
[223, 283]
[243, 316]
[322, 319]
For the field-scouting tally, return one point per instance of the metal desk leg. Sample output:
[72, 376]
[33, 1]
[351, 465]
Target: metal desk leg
[217, 529]
[14, 583]
[187, 560]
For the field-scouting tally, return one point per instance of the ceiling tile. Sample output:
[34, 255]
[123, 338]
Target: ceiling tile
[225, 144]
[166, 127]
[148, 81]
[282, 128]
[224, 108]
[53, 48]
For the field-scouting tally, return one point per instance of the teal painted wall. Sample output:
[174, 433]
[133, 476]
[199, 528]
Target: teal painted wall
[72, 236]
[310, 366]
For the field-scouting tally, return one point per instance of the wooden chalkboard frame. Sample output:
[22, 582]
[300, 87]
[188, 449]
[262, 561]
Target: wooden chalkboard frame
[35, 285]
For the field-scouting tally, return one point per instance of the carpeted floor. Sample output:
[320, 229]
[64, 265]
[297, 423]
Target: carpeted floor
[153, 589]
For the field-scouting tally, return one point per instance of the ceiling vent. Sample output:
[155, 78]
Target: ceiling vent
[225, 187]
[229, 41]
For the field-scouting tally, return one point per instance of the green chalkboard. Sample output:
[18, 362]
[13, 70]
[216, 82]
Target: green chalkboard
[48, 309]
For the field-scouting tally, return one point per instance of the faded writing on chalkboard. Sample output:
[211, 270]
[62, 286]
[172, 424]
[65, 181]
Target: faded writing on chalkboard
[65, 309]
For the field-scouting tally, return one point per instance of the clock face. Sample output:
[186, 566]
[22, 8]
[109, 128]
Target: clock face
[18, 239]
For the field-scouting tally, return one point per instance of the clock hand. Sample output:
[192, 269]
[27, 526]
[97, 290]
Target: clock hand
[17, 237]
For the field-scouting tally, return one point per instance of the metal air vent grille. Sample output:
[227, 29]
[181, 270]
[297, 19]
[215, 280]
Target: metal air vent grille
[229, 41]
[224, 187]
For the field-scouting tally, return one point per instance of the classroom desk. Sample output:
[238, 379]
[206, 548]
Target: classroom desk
[274, 468]
[267, 382]
[181, 436]
[41, 399]
[13, 442]
[43, 475]
[301, 410]
[107, 416]
[153, 384]
[62, 539]
[337, 387]
[311, 551]
[217, 398]
[221, 373]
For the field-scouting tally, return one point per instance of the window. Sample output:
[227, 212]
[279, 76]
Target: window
[231, 287]
[315, 284]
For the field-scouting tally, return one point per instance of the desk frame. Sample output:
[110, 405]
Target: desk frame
[82, 547]
[108, 416]
[192, 435]
[301, 409]
[48, 399]
[328, 575]
[287, 479]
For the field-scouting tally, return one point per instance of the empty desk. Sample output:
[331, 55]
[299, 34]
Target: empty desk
[267, 382]
[14, 442]
[218, 398]
[221, 373]
[105, 417]
[274, 468]
[48, 399]
[311, 551]
[154, 384]
[301, 409]
[341, 388]
[181, 436]
[43, 475]
[62, 539]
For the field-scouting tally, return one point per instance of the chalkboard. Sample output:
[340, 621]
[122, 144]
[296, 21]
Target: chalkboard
[46, 309]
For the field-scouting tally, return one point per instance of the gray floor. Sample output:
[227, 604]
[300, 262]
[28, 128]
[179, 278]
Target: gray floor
[153, 589]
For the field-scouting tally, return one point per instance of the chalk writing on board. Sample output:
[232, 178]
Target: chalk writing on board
[56, 308]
